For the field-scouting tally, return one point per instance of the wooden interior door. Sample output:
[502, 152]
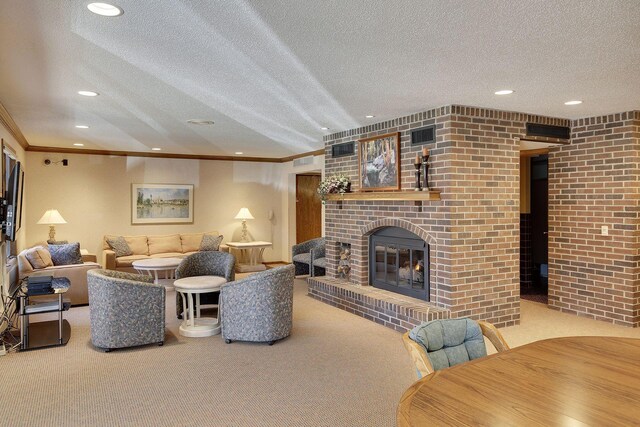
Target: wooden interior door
[308, 208]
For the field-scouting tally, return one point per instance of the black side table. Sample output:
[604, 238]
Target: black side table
[49, 333]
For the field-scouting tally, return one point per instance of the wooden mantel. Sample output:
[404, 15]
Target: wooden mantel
[385, 195]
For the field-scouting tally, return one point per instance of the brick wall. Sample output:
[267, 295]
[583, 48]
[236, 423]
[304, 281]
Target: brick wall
[474, 228]
[594, 182]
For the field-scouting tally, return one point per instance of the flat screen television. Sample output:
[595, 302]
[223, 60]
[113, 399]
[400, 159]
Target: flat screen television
[12, 212]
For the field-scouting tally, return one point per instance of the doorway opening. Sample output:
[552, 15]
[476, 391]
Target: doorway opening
[534, 238]
[308, 207]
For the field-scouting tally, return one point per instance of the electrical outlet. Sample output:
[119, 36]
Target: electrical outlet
[604, 230]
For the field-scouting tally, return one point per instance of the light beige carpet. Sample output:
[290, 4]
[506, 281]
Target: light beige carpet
[336, 369]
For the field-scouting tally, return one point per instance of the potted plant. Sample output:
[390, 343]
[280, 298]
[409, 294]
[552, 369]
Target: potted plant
[334, 184]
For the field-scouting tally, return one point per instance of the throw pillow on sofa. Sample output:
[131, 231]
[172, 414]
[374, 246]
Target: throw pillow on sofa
[210, 243]
[119, 246]
[38, 257]
[65, 254]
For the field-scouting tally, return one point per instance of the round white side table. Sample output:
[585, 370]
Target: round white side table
[193, 325]
[158, 267]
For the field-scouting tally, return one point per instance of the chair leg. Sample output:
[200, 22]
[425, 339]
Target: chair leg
[271, 342]
[161, 343]
[228, 341]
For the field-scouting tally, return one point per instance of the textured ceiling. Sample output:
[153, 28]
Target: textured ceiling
[272, 73]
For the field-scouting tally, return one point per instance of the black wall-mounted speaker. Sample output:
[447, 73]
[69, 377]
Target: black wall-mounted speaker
[425, 135]
[534, 129]
[344, 149]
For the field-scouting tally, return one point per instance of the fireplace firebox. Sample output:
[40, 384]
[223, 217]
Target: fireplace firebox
[399, 262]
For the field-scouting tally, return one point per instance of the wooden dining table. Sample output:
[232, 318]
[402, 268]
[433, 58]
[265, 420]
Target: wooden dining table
[572, 381]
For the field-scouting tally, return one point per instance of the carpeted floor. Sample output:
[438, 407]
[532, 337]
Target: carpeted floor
[335, 370]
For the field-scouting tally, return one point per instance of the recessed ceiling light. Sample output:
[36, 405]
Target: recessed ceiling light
[369, 116]
[87, 93]
[576, 102]
[324, 128]
[201, 122]
[239, 152]
[82, 126]
[78, 144]
[156, 149]
[504, 92]
[105, 9]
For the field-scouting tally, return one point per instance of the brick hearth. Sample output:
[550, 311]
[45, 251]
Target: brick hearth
[390, 309]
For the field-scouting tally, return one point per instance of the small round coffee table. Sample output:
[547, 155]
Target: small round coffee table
[156, 267]
[196, 326]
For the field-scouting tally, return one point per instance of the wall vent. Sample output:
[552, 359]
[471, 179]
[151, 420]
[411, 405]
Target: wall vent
[535, 129]
[425, 135]
[344, 149]
[301, 161]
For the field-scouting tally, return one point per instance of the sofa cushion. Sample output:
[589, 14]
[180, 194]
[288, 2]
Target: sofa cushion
[66, 254]
[164, 244]
[210, 243]
[125, 261]
[169, 255]
[120, 246]
[39, 257]
[137, 244]
[191, 242]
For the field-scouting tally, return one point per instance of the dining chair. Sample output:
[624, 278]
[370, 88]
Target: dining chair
[440, 344]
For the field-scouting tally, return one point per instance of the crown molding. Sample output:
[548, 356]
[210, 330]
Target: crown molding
[40, 149]
[12, 127]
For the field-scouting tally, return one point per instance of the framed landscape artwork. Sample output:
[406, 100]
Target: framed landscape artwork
[161, 203]
[379, 162]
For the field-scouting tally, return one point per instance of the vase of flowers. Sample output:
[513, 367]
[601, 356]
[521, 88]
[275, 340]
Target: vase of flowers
[335, 184]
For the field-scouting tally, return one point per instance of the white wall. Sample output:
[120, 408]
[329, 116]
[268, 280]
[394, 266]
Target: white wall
[93, 194]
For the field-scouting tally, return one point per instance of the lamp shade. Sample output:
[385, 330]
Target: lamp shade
[244, 214]
[52, 216]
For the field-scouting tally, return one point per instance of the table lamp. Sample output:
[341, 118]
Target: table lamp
[51, 217]
[244, 215]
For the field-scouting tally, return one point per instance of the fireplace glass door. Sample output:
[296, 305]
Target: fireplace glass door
[399, 262]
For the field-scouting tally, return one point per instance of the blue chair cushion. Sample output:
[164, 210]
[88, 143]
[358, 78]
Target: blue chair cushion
[450, 342]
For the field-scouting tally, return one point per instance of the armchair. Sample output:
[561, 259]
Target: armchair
[258, 308]
[301, 255]
[212, 263]
[125, 309]
[318, 260]
[440, 344]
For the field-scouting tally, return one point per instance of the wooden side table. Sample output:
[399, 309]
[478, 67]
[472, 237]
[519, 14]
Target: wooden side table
[251, 252]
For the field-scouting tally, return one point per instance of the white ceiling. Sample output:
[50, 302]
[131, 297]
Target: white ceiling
[272, 73]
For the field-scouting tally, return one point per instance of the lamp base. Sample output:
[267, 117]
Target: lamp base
[52, 232]
[244, 237]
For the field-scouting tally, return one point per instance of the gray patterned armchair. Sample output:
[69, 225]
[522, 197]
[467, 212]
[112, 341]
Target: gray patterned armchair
[258, 308]
[301, 254]
[125, 309]
[211, 263]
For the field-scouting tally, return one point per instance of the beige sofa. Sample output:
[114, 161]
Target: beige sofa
[145, 247]
[76, 273]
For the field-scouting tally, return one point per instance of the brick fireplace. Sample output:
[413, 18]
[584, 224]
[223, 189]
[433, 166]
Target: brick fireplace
[473, 230]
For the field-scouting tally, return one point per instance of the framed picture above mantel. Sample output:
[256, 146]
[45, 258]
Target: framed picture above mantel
[379, 162]
[161, 203]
